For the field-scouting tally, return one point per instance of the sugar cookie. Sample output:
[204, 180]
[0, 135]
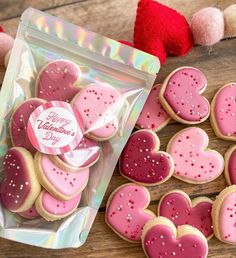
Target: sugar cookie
[194, 162]
[19, 121]
[223, 112]
[62, 184]
[160, 238]
[99, 105]
[20, 187]
[30, 213]
[58, 80]
[178, 207]
[153, 116]
[142, 162]
[52, 209]
[230, 165]
[126, 211]
[224, 215]
[181, 96]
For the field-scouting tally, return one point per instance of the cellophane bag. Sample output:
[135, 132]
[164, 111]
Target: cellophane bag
[101, 62]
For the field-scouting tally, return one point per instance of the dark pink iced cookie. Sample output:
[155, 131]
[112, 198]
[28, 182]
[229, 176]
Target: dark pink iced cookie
[181, 96]
[20, 187]
[30, 213]
[19, 121]
[142, 162]
[160, 239]
[126, 211]
[52, 209]
[223, 112]
[178, 207]
[230, 165]
[57, 81]
[84, 155]
[99, 104]
[153, 116]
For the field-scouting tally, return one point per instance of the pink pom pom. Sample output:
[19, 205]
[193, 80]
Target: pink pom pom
[6, 43]
[207, 26]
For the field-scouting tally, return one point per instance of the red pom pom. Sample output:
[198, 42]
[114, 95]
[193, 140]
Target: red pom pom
[154, 47]
[1, 29]
[155, 20]
[126, 43]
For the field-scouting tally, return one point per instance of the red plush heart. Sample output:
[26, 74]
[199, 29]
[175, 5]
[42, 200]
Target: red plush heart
[1, 29]
[155, 21]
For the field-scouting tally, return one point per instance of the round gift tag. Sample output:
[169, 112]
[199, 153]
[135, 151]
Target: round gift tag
[55, 128]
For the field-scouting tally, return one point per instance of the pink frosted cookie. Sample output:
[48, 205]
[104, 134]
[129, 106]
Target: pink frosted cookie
[83, 156]
[58, 80]
[230, 165]
[52, 209]
[181, 96]
[223, 112]
[20, 188]
[153, 116]
[178, 207]
[126, 211]
[142, 162]
[30, 213]
[161, 239]
[224, 215]
[194, 162]
[62, 184]
[19, 121]
[99, 105]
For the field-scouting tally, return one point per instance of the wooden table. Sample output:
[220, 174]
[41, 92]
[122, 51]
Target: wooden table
[115, 19]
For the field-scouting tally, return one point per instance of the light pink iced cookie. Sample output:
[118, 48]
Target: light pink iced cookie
[178, 207]
[99, 105]
[52, 209]
[30, 213]
[224, 215]
[58, 80]
[19, 121]
[230, 165]
[142, 162]
[62, 184]
[126, 212]
[20, 187]
[181, 96]
[161, 239]
[194, 162]
[153, 116]
[223, 112]
[83, 156]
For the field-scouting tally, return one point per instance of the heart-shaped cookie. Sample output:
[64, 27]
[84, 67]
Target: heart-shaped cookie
[142, 162]
[30, 213]
[224, 215]
[160, 238]
[52, 209]
[153, 116]
[99, 105]
[194, 162]
[58, 81]
[83, 156]
[19, 121]
[178, 207]
[157, 21]
[20, 187]
[62, 184]
[181, 96]
[126, 211]
[223, 112]
[230, 165]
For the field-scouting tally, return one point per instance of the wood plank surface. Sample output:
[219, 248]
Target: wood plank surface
[114, 18]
